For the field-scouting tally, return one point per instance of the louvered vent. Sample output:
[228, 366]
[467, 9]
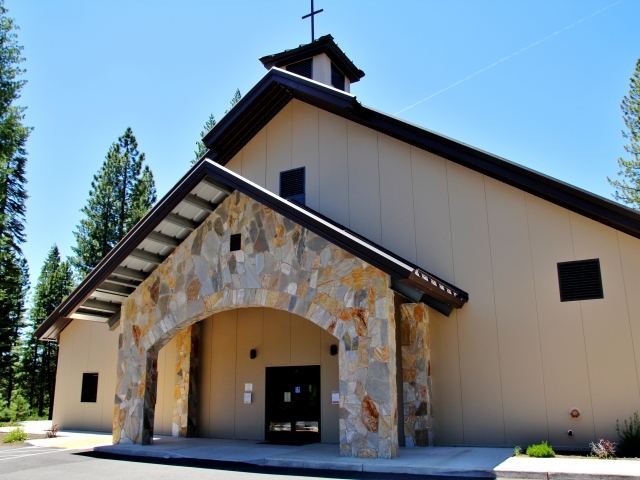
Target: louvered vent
[235, 242]
[580, 280]
[292, 185]
[303, 68]
[337, 78]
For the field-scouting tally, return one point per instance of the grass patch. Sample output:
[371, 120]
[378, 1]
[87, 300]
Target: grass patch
[541, 450]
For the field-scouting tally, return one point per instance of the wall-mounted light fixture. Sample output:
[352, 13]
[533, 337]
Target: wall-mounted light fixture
[333, 350]
[253, 353]
[575, 413]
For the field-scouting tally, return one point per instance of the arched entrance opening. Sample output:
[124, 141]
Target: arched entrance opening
[274, 264]
[284, 343]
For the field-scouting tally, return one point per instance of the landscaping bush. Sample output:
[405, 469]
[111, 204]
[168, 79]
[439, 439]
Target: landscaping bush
[603, 449]
[541, 450]
[629, 445]
[53, 431]
[16, 435]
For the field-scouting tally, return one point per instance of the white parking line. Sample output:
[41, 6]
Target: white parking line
[10, 450]
[27, 454]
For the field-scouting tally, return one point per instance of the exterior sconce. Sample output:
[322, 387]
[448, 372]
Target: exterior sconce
[333, 350]
[575, 412]
[253, 353]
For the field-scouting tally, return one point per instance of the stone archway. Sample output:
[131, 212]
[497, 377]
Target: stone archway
[284, 266]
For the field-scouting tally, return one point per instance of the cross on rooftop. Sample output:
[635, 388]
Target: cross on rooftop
[312, 14]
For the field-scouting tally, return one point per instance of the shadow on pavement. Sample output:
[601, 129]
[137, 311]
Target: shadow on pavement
[257, 469]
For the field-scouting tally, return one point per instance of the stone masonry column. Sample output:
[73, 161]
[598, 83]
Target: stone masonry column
[185, 407]
[416, 372]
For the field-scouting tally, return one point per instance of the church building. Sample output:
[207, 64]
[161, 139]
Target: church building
[330, 273]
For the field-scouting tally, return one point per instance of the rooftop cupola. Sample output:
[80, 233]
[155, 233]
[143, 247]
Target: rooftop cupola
[321, 60]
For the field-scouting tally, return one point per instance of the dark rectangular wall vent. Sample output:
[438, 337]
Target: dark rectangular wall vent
[337, 77]
[89, 388]
[292, 185]
[303, 68]
[580, 280]
[235, 242]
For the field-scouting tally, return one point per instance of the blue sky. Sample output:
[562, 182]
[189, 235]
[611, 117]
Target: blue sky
[162, 67]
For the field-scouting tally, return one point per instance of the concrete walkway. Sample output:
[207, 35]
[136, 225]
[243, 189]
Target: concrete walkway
[424, 461]
[454, 461]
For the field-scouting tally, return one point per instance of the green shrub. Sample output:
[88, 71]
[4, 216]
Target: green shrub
[629, 445]
[16, 435]
[18, 411]
[517, 451]
[541, 450]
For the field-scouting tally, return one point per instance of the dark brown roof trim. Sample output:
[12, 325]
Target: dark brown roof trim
[277, 87]
[324, 45]
[214, 174]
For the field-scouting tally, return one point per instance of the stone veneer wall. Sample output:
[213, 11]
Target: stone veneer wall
[416, 374]
[284, 266]
[185, 393]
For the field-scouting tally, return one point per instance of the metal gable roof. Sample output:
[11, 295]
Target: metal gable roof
[101, 294]
[278, 87]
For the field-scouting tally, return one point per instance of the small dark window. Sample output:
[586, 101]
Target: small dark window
[89, 387]
[292, 185]
[580, 280]
[303, 68]
[235, 243]
[337, 78]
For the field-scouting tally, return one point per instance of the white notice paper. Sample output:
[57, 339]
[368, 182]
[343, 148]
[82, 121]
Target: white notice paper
[248, 387]
[247, 398]
[335, 398]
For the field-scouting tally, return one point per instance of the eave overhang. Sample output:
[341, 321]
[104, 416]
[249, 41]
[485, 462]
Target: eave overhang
[111, 274]
[278, 87]
[324, 45]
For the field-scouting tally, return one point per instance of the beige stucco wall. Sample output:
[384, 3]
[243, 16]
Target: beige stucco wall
[280, 338]
[85, 347]
[508, 366]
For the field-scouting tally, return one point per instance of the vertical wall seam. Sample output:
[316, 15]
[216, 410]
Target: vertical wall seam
[413, 205]
[453, 265]
[346, 130]
[535, 297]
[379, 185]
[495, 308]
[626, 301]
[584, 337]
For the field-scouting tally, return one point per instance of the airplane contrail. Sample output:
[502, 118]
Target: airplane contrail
[508, 57]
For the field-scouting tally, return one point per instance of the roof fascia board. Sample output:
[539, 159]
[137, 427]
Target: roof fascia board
[324, 45]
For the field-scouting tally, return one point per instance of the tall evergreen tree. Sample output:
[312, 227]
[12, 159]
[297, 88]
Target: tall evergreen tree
[627, 188]
[39, 359]
[122, 192]
[13, 159]
[208, 125]
[12, 309]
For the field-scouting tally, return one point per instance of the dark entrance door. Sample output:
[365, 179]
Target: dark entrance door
[293, 404]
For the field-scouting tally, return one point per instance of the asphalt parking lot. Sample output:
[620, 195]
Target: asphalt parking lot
[24, 462]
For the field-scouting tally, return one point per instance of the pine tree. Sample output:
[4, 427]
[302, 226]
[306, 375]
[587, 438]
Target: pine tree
[13, 159]
[627, 189]
[122, 192]
[13, 137]
[234, 100]
[12, 309]
[38, 366]
[208, 125]
[201, 149]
